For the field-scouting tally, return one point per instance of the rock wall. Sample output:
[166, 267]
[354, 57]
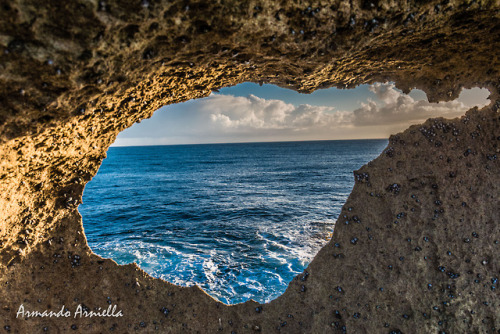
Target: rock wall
[416, 246]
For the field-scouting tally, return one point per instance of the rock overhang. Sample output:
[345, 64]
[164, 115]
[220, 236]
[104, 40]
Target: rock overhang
[76, 74]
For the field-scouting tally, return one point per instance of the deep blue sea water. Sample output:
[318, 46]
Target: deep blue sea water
[239, 220]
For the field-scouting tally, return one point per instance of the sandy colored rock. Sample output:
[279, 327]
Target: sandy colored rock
[416, 245]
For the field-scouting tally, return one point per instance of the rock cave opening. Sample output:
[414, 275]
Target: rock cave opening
[75, 74]
[237, 192]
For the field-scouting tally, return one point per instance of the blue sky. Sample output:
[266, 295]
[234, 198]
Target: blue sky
[252, 113]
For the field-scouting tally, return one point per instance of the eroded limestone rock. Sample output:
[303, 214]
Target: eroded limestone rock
[420, 250]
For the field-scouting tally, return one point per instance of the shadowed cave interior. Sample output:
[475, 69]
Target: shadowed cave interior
[74, 75]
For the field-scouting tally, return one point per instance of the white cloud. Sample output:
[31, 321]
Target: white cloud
[253, 114]
[397, 108]
[389, 107]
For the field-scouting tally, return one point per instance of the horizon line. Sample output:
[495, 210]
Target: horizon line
[249, 142]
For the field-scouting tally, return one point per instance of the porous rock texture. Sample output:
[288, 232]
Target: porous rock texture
[416, 246]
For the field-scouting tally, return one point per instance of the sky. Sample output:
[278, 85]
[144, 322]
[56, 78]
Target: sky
[252, 113]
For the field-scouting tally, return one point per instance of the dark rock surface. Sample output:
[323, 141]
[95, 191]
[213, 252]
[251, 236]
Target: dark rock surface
[419, 253]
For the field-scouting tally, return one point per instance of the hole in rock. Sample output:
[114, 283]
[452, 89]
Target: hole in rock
[242, 217]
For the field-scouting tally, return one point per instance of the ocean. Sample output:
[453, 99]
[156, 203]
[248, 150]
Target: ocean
[239, 220]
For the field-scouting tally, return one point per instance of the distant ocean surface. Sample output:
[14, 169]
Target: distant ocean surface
[239, 220]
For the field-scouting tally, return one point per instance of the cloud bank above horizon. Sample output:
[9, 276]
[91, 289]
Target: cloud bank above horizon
[227, 118]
